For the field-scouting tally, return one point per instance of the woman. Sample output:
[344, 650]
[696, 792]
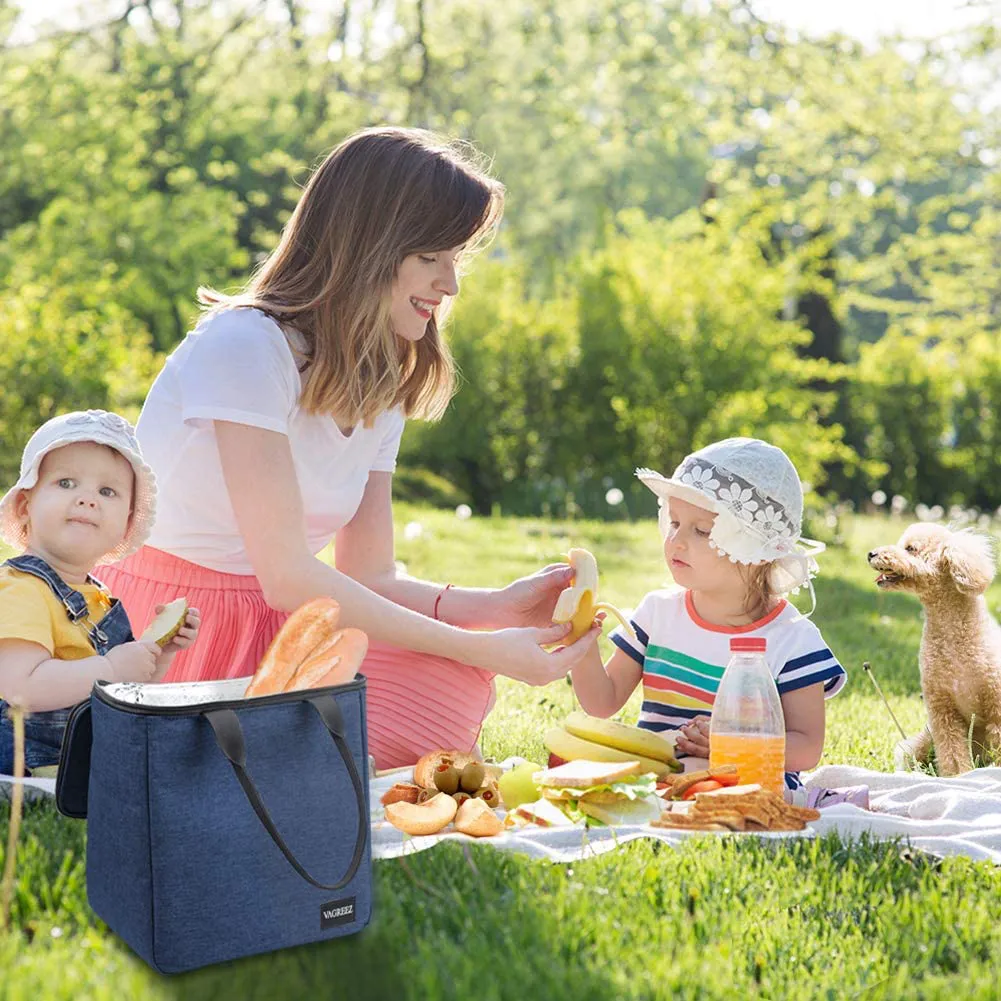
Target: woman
[275, 425]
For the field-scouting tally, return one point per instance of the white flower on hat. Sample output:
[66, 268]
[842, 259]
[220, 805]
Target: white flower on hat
[739, 501]
[768, 519]
[701, 478]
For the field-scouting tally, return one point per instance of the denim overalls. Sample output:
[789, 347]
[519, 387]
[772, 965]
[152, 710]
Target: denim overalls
[43, 731]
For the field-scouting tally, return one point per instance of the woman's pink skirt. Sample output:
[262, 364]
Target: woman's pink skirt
[416, 702]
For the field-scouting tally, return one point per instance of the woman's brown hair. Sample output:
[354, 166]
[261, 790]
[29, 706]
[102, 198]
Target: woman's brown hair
[381, 195]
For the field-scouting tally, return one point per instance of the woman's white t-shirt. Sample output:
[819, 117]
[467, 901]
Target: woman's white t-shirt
[237, 366]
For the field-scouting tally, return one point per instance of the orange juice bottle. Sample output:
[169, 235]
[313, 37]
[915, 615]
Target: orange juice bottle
[747, 728]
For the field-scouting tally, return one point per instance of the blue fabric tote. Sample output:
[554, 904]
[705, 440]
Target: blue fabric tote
[218, 826]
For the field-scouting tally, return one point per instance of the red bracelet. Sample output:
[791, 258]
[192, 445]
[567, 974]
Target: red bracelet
[438, 599]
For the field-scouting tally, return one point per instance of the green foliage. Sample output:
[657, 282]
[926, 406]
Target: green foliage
[665, 339]
[901, 395]
[165, 149]
[977, 418]
[681, 344]
[413, 485]
[64, 348]
[147, 249]
[499, 437]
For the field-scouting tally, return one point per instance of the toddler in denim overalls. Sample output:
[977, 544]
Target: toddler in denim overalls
[84, 497]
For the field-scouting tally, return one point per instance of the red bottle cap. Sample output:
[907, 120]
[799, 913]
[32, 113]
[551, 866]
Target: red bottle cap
[748, 644]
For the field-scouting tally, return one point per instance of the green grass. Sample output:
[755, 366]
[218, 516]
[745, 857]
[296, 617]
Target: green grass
[714, 919]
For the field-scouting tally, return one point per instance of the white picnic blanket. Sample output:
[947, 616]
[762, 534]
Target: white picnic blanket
[555, 844]
[953, 816]
[944, 816]
[33, 788]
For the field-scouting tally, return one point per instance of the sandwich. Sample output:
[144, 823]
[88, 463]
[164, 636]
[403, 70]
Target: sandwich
[541, 813]
[612, 793]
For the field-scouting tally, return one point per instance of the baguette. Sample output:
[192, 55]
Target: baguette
[335, 663]
[306, 631]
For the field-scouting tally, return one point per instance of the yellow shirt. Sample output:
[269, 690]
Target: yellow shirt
[30, 611]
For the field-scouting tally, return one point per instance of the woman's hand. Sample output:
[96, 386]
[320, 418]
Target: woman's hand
[529, 601]
[518, 653]
[693, 739]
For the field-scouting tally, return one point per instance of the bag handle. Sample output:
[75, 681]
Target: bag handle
[229, 736]
[73, 776]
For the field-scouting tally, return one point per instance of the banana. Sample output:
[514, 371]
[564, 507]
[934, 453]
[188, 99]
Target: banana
[576, 604]
[570, 748]
[630, 739]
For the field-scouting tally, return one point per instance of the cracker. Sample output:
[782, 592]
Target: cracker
[803, 812]
[722, 771]
[731, 819]
[683, 783]
[748, 808]
[684, 822]
[788, 825]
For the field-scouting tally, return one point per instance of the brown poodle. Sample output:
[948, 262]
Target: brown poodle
[960, 656]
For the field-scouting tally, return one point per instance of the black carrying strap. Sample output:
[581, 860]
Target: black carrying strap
[73, 776]
[229, 736]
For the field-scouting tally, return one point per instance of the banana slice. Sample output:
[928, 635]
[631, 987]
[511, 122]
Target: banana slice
[577, 604]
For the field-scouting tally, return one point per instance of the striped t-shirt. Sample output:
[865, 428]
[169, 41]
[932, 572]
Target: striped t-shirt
[683, 657]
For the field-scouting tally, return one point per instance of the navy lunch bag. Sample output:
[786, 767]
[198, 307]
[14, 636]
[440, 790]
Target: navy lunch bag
[218, 826]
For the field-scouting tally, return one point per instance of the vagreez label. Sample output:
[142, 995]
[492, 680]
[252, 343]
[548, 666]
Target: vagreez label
[337, 912]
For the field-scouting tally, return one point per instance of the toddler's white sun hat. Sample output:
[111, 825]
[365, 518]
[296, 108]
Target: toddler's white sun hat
[101, 427]
[755, 492]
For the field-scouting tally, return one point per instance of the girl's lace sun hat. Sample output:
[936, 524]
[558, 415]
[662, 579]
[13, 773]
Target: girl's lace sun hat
[755, 492]
[101, 427]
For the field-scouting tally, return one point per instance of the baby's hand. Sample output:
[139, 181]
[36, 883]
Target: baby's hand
[693, 739]
[186, 634]
[184, 638]
[133, 661]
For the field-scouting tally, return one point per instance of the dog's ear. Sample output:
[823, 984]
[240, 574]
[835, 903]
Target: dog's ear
[970, 560]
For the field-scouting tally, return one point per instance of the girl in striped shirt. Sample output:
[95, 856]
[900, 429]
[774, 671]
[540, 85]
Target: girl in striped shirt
[730, 519]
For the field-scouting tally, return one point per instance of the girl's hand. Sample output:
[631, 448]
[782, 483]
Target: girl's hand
[693, 739]
[530, 601]
[518, 653]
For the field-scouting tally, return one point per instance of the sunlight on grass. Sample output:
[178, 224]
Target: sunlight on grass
[715, 919]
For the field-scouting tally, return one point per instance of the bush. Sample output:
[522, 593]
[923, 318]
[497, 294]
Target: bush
[64, 349]
[901, 398]
[665, 339]
[973, 453]
[499, 438]
[421, 486]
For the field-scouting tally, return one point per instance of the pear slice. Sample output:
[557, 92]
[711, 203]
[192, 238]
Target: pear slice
[167, 624]
[428, 817]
